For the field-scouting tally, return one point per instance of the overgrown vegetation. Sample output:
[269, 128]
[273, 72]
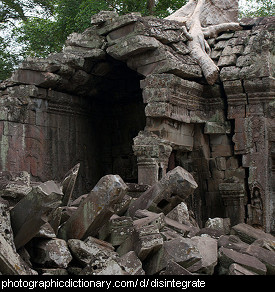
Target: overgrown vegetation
[40, 27]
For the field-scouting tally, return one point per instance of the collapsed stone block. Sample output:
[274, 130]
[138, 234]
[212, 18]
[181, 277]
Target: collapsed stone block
[181, 214]
[222, 224]
[267, 257]
[52, 253]
[10, 261]
[117, 230]
[103, 266]
[208, 248]
[146, 217]
[235, 269]
[173, 268]
[14, 185]
[97, 257]
[177, 185]
[85, 251]
[147, 240]
[249, 234]
[67, 184]
[33, 211]
[229, 256]
[180, 250]
[131, 264]
[5, 223]
[265, 243]
[232, 242]
[95, 210]
[183, 229]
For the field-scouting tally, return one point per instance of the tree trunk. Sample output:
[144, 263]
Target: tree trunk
[151, 6]
[189, 15]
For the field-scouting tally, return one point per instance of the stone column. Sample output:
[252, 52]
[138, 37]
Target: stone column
[233, 195]
[148, 170]
[152, 156]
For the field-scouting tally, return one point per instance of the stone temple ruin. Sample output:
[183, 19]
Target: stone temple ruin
[158, 144]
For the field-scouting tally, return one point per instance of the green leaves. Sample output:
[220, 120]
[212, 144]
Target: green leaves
[258, 8]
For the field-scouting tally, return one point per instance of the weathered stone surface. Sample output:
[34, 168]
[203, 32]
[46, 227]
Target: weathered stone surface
[102, 266]
[249, 234]
[147, 240]
[95, 209]
[5, 223]
[265, 243]
[53, 252]
[131, 264]
[177, 182]
[235, 269]
[173, 268]
[33, 211]
[117, 230]
[222, 224]
[181, 214]
[14, 186]
[132, 46]
[232, 242]
[97, 257]
[42, 79]
[228, 257]
[103, 16]
[67, 184]
[10, 261]
[208, 249]
[85, 251]
[145, 217]
[88, 39]
[114, 22]
[180, 250]
[265, 256]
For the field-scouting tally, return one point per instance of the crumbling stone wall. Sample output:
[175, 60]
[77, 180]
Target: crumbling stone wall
[125, 97]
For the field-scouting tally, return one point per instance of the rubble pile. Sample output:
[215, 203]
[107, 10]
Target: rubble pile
[108, 232]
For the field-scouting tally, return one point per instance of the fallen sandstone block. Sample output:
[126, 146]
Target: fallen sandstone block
[180, 250]
[267, 257]
[67, 184]
[10, 261]
[33, 211]
[5, 223]
[14, 185]
[208, 249]
[229, 256]
[131, 264]
[84, 251]
[173, 268]
[95, 210]
[52, 253]
[235, 269]
[249, 234]
[177, 185]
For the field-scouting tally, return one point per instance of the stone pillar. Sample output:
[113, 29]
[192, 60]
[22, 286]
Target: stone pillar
[233, 195]
[152, 156]
[148, 170]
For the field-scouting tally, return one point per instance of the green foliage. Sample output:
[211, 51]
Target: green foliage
[7, 60]
[259, 8]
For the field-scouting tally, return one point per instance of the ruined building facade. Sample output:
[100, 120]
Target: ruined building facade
[125, 97]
